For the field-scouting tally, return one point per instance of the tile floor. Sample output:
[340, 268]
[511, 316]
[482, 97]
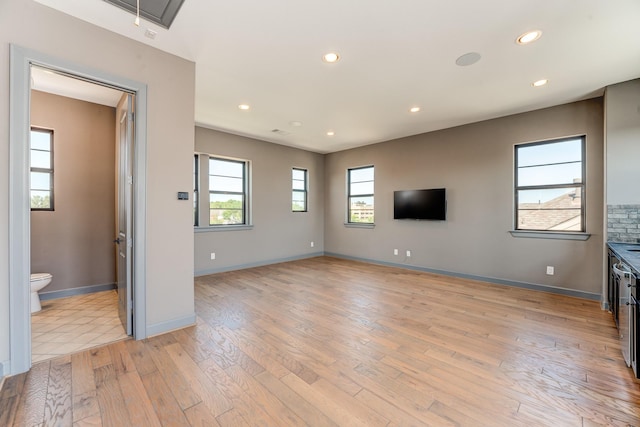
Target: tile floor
[71, 324]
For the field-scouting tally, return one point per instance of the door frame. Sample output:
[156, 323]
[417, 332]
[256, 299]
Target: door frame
[21, 60]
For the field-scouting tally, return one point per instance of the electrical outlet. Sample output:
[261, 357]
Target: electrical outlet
[408, 254]
[550, 270]
[213, 255]
[395, 252]
[312, 244]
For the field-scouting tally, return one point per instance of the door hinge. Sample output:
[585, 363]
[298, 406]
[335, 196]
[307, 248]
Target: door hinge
[130, 180]
[131, 115]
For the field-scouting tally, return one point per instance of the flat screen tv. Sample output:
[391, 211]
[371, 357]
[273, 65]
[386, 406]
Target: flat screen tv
[428, 204]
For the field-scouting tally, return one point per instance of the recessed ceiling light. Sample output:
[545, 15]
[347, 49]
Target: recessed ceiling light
[331, 133]
[540, 82]
[244, 106]
[414, 109]
[528, 37]
[295, 123]
[331, 57]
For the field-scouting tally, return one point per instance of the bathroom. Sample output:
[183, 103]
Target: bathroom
[73, 219]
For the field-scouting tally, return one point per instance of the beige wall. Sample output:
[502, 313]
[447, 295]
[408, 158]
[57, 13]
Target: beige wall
[475, 164]
[622, 116]
[170, 135]
[75, 241]
[277, 233]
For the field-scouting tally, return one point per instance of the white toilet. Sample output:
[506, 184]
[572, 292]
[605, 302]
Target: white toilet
[38, 281]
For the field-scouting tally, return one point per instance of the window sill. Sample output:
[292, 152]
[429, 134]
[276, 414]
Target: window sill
[222, 228]
[358, 225]
[550, 235]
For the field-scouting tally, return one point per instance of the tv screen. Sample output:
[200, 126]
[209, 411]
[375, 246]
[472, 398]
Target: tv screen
[420, 204]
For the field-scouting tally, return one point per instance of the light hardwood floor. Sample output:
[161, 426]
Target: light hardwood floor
[326, 342]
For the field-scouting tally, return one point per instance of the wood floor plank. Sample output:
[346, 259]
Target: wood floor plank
[202, 386]
[113, 408]
[243, 406]
[139, 406]
[200, 416]
[58, 410]
[271, 405]
[164, 403]
[30, 410]
[327, 342]
[305, 410]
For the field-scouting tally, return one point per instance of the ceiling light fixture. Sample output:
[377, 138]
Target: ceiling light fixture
[244, 106]
[295, 123]
[414, 109]
[540, 82]
[529, 37]
[331, 133]
[137, 21]
[331, 57]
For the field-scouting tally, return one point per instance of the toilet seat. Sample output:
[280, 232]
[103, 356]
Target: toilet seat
[40, 276]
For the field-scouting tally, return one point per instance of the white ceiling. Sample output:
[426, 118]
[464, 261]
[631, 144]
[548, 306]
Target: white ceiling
[47, 81]
[394, 55]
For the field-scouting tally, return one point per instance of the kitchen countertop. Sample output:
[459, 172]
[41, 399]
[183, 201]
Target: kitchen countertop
[629, 257]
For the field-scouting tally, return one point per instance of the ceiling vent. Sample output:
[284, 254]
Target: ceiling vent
[280, 132]
[161, 12]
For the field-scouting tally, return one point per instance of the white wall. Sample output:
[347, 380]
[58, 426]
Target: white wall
[170, 135]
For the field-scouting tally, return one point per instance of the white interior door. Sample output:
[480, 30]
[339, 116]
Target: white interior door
[124, 240]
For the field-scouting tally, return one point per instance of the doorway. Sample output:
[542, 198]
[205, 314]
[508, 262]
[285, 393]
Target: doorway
[75, 137]
[19, 194]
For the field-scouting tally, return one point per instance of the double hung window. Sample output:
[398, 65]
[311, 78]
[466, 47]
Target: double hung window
[550, 185]
[41, 154]
[227, 191]
[360, 195]
[298, 190]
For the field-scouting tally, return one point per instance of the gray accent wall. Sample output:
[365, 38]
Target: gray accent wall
[475, 164]
[277, 234]
[74, 242]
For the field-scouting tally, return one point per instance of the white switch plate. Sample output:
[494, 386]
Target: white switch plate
[213, 255]
[408, 254]
[395, 252]
[550, 270]
[312, 244]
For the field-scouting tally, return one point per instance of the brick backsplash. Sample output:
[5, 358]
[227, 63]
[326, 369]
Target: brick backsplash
[622, 223]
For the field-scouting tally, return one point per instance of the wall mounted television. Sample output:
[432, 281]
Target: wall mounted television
[429, 204]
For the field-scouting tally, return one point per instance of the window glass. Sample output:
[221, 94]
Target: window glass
[227, 192]
[299, 190]
[550, 187]
[41, 158]
[360, 198]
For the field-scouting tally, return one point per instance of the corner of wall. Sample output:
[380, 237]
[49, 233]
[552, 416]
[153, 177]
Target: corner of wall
[5, 368]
